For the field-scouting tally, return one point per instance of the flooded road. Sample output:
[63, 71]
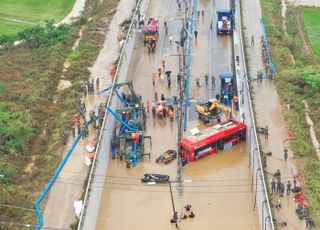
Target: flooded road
[220, 191]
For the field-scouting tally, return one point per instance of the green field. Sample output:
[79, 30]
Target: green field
[19, 14]
[311, 21]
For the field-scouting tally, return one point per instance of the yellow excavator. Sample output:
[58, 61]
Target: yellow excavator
[211, 110]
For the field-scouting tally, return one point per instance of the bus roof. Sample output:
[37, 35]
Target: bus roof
[211, 131]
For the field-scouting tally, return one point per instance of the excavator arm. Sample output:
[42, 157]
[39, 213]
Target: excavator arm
[227, 109]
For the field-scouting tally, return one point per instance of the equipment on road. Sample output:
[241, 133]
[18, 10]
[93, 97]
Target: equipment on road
[226, 90]
[167, 157]
[225, 22]
[128, 144]
[152, 177]
[150, 32]
[208, 141]
[211, 110]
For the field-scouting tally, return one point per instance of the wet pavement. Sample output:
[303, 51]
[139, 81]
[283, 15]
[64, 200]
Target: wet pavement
[269, 113]
[220, 191]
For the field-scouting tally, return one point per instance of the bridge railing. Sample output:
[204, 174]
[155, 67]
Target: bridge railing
[261, 202]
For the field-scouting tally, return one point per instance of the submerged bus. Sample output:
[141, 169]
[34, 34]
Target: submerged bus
[208, 141]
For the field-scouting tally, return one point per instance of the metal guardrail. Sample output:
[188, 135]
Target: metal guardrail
[261, 197]
[108, 124]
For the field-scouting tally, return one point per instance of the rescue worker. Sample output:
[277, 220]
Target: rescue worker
[73, 131]
[171, 114]
[288, 187]
[165, 25]
[273, 186]
[79, 129]
[282, 190]
[285, 152]
[277, 175]
[206, 78]
[235, 101]
[162, 97]
[294, 182]
[213, 83]
[64, 136]
[159, 71]
[169, 83]
[97, 83]
[155, 96]
[148, 106]
[164, 111]
[197, 82]
[154, 77]
[243, 117]
[84, 88]
[196, 34]
[188, 207]
[218, 97]
[266, 133]
[278, 187]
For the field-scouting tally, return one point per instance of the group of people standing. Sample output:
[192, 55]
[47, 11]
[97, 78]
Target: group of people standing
[88, 87]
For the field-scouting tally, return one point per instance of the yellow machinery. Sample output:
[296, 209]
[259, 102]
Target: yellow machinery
[211, 110]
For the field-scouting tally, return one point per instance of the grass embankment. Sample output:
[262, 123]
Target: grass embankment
[33, 113]
[18, 15]
[311, 22]
[294, 82]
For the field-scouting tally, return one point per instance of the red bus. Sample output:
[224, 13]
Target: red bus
[208, 141]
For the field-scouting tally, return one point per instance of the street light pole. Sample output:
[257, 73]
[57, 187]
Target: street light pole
[173, 207]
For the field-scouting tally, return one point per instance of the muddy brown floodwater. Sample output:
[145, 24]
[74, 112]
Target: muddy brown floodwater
[220, 191]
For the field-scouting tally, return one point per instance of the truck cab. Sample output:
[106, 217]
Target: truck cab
[225, 22]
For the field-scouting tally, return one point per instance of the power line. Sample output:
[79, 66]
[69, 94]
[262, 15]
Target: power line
[144, 185]
[145, 190]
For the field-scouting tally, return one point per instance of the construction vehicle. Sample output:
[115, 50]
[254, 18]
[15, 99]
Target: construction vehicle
[128, 141]
[226, 90]
[150, 32]
[225, 22]
[211, 110]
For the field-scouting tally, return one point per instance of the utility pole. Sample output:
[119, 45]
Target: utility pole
[173, 207]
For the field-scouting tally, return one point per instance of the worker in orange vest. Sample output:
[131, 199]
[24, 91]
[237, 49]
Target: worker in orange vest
[154, 78]
[170, 115]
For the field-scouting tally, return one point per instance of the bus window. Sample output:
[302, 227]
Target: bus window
[205, 150]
